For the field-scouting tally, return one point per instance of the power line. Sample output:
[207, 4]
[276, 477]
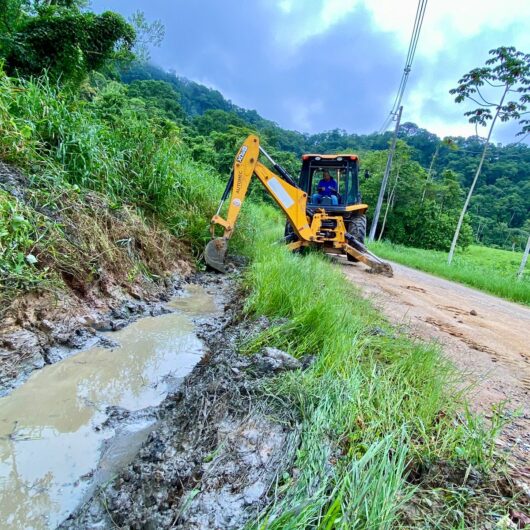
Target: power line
[379, 204]
[397, 110]
[413, 44]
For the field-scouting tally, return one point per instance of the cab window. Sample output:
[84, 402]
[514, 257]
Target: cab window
[337, 174]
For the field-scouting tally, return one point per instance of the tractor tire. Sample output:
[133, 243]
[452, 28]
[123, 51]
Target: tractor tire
[357, 228]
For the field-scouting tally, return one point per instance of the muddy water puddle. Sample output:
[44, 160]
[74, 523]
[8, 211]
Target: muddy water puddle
[54, 445]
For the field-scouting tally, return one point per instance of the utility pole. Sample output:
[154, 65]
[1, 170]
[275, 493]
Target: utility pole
[525, 257]
[375, 220]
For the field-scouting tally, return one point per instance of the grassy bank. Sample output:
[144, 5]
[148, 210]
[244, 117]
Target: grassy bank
[487, 269]
[102, 183]
[373, 408]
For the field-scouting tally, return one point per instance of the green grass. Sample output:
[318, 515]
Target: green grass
[370, 408]
[487, 269]
[107, 145]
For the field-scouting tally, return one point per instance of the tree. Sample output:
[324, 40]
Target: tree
[147, 34]
[506, 72]
[160, 97]
[61, 38]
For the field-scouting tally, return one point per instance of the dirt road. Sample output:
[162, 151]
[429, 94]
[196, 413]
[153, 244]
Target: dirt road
[486, 337]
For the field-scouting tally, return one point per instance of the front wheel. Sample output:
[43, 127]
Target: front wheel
[357, 229]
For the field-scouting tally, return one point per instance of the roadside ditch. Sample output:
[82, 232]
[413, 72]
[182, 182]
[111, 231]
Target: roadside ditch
[179, 432]
[122, 430]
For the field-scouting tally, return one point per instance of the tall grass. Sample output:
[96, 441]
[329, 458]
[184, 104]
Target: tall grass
[487, 269]
[105, 143]
[371, 405]
[111, 145]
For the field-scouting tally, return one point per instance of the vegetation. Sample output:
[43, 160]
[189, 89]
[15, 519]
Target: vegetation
[418, 211]
[499, 211]
[372, 408]
[18, 236]
[60, 38]
[491, 270]
[134, 160]
[509, 71]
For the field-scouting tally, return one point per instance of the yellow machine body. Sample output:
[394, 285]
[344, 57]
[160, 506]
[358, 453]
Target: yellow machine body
[293, 202]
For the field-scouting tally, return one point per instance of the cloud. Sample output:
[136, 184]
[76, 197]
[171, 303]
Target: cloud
[315, 65]
[444, 22]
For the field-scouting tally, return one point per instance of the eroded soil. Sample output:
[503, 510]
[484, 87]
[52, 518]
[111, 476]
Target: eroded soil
[78, 421]
[216, 451]
[485, 336]
[95, 282]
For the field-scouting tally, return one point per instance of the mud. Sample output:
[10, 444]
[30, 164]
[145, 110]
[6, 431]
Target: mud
[75, 423]
[217, 450]
[40, 331]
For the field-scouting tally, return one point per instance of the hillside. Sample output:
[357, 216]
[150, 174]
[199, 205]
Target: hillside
[504, 185]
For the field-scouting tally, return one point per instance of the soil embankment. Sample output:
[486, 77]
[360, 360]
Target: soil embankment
[485, 336]
[96, 268]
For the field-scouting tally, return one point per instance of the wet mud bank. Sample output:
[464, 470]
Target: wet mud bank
[42, 330]
[76, 423]
[217, 449]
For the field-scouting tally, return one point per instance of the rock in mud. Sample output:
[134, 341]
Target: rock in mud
[275, 360]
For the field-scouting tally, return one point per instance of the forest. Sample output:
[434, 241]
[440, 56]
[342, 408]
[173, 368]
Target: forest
[429, 177]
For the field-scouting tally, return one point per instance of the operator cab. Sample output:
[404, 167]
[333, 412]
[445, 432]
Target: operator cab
[343, 168]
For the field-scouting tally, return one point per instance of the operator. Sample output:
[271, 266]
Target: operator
[327, 187]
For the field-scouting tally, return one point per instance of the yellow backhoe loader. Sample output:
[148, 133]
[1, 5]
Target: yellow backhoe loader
[334, 222]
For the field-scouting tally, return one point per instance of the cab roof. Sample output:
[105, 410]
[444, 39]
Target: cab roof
[313, 156]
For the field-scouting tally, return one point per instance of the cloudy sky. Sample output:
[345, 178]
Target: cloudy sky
[314, 65]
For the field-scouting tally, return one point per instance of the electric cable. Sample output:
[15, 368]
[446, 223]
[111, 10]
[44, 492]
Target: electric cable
[413, 45]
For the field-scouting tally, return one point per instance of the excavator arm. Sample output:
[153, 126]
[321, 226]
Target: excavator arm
[287, 195]
[291, 199]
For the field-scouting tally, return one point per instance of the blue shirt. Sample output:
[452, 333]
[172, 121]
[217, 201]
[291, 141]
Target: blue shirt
[330, 187]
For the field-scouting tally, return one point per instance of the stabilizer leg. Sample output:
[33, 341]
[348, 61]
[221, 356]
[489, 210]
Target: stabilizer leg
[361, 253]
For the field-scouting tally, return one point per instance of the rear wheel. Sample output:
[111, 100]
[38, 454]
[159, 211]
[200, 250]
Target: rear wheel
[357, 229]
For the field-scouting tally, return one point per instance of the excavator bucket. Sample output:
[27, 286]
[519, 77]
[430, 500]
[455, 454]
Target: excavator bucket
[215, 253]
